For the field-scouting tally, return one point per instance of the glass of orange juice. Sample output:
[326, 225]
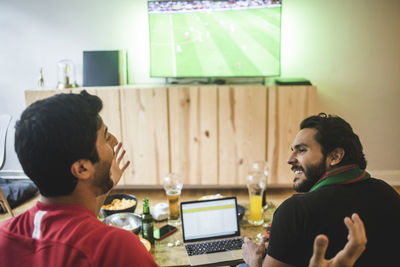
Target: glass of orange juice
[262, 166]
[173, 184]
[256, 183]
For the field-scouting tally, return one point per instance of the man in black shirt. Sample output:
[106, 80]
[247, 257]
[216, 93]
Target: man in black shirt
[329, 168]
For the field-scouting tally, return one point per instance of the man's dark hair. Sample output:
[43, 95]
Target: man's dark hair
[334, 132]
[52, 134]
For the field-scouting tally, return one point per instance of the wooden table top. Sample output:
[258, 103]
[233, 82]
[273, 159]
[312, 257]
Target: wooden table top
[171, 252]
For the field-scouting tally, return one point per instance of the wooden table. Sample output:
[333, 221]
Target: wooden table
[171, 252]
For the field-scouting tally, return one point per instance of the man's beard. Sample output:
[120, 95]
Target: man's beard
[312, 173]
[103, 178]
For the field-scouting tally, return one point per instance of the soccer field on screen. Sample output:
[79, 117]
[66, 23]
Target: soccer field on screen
[226, 43]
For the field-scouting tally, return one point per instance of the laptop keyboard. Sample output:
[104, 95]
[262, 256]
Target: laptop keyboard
[214, 246]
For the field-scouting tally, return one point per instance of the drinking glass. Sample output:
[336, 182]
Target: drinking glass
[173, 184]
[256, 182]
[262, 166]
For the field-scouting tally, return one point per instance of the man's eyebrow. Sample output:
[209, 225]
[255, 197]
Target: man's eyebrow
[298, 146]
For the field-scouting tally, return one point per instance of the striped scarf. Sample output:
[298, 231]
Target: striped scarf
[343, 175]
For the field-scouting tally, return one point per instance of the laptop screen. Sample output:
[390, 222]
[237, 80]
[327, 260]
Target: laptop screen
[209, 219]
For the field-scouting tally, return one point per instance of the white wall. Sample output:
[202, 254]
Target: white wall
[348, 49]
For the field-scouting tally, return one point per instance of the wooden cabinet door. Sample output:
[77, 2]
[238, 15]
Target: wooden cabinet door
[34, 95]
[242, 131]
[144, 122]
[193, 133]
[287, 107]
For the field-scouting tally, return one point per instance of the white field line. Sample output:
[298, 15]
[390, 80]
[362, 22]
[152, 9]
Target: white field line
[172, 47]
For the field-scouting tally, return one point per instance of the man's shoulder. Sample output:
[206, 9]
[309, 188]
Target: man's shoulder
[300, 204]
[297, 199]
[121, 242]
[377, 187]
[112, 235]
[294, 205]
[112, 232]
[92, 228]
[19, 224]
[379, 181]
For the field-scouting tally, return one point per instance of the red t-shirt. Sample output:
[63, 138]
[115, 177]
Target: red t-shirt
[68, 235]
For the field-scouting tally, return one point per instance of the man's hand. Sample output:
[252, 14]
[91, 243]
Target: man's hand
[252, 253]
[115, 174]
[116, 171]
[353, 249]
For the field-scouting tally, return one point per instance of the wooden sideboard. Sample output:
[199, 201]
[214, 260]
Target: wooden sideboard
[209, 134]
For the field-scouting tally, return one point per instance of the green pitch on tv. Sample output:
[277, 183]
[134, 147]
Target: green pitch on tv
[214, 38]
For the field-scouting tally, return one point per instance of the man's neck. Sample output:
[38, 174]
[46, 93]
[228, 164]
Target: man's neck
[80, 196]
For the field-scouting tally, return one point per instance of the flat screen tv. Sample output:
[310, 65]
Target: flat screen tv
[215, 38]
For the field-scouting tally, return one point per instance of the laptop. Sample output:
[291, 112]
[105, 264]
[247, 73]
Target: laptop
[211, 231]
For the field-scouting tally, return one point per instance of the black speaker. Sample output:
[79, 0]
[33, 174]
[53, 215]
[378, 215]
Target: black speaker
[292, 81]
[104, 68]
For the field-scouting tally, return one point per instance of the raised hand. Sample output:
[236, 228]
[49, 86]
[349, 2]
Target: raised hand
[353, 249]
[116, 171]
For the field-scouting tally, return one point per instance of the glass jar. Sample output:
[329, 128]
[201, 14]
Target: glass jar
[66, 74]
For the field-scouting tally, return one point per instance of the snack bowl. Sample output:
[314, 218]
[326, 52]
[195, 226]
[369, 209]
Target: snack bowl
[120, 205]
[125, 220]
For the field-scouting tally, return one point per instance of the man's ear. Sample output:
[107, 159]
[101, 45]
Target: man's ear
[336, 156]
[82, 169]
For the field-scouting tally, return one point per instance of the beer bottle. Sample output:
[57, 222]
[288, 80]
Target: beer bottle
[147, 222]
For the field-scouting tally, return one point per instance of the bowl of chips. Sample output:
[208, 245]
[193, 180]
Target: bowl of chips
[119, 203]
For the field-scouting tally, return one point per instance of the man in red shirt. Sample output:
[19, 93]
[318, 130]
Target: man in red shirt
[66, 150]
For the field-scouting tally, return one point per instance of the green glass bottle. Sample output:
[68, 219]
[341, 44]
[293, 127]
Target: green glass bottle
[147, 222]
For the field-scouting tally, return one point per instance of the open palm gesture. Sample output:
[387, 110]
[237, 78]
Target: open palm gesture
[353, 249]
[116, 169]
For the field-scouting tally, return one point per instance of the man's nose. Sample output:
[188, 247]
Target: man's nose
[113, 140]
[291, 159]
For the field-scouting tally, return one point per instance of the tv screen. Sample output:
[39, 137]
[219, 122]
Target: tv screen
[215, 38]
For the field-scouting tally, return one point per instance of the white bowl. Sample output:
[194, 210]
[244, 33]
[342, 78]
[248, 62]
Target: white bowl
[125, 220]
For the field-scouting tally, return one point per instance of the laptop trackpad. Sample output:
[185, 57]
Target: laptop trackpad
[220, 256]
